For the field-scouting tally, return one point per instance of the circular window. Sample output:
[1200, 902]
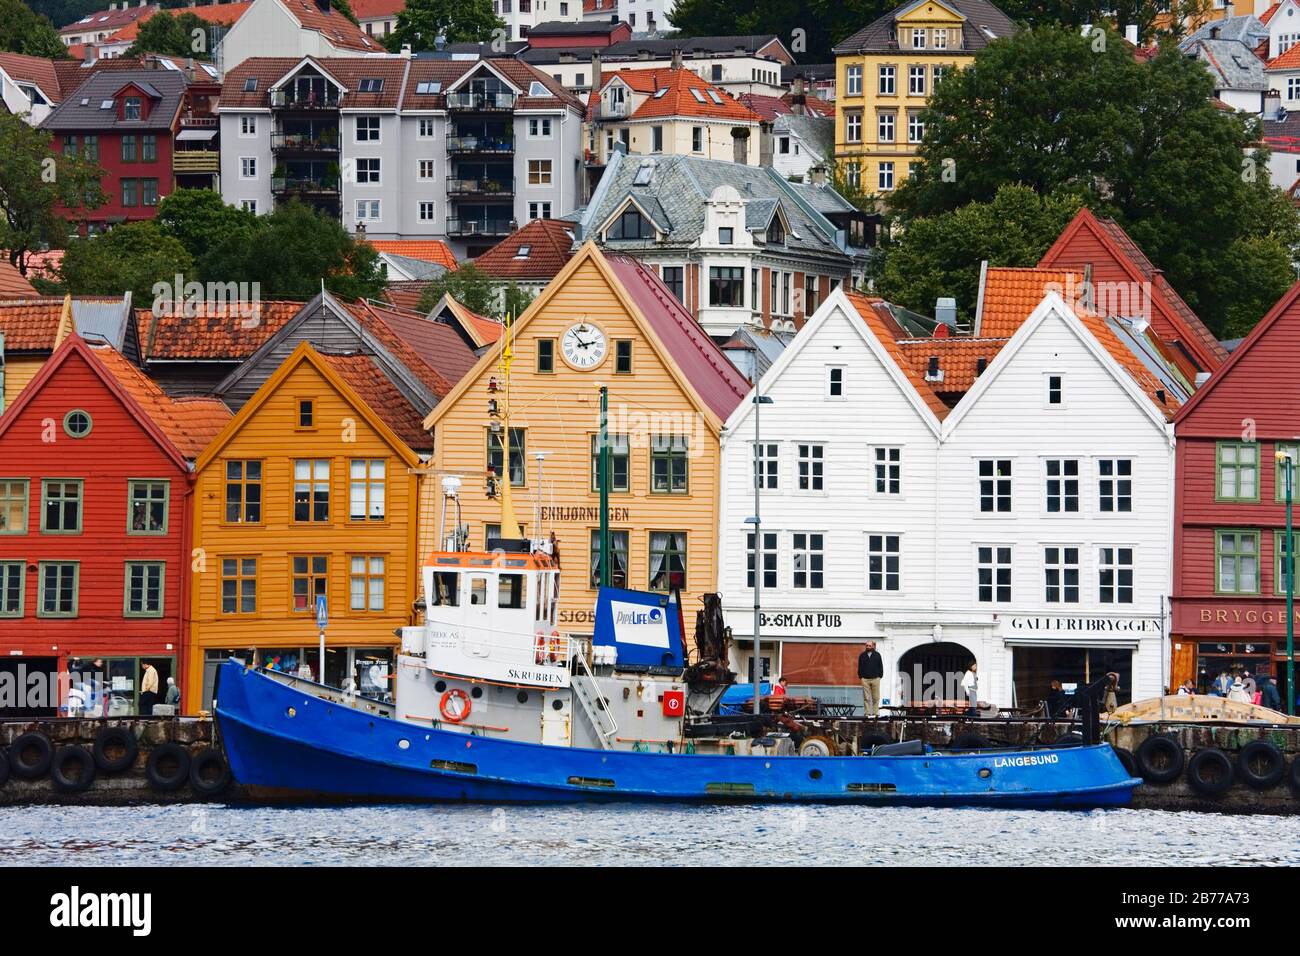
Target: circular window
[440, 686]
[557, 704]
[77, 423]
[522, 697]
[985, 773]
[815, 774]
[476, 693]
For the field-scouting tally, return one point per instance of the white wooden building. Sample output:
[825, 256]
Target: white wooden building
[1027, 528]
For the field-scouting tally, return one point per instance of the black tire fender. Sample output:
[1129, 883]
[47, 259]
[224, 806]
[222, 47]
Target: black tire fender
[1126, 758]
[30, 755]
[115, 749]
[209, 772]
[1160, 759]
[72, 769]
[1210, 772]
[1261, 765]
[168, 767]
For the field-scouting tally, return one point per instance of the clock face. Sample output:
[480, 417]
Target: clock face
[583, 346]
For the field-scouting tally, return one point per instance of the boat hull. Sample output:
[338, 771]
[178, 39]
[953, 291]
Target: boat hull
[280, 738]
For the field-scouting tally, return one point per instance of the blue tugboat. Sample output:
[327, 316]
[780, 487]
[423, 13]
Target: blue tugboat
[493, 703]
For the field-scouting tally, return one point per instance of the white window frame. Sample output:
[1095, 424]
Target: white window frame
[996, 479]
[853, 127]
[915, 127]
[885, 176]
[884, 553]
[833, 380]
[766, 463]
[426, 128]
[247, 163]
[432, 208]
[1063, 495]
[809, 549]
[357, 129]
[371, 205]
[887, 468]
[1114, 479]
[376, 172]
[1113, 564]
[1054, 382]
[995, 565]
[247, 127]
[1061, 564]
[853, 80]
[886, 126]
[421, 165]
[916, 80]
[248, 205]
[810, 470]
[539, 127]
[887, 80]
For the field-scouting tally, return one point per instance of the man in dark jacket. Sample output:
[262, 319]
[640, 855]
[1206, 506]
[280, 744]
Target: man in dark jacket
[870, 669]
[1269, 697]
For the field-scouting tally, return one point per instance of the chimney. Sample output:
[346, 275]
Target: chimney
[88, 57]
[818, 175]
[740, 145]
[595, 71]
[1131, 33]
[677, 58]
[945, 311]
[1214, 33]
[406, 51]
[189, 68]
[1272, 103]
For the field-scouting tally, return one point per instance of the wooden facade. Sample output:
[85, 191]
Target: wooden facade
[555, 410]
[1229, 596]
[94, 527]
[291, 503]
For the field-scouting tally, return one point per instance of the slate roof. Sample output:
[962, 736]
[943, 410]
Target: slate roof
[817, 131]
[368, 380]
[681, 185]
[104, 85]
[549, 243]
[111, 321]
[417, 269]
[348, 71]
[1232, 64]
[12, 283]
[190, 423]
[982, 18]
[222, 336]
[749, 43]
[430, 250]
[1248, 29]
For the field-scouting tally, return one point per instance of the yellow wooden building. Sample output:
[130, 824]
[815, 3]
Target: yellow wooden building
[306, 492]
[604, 320]
[885, 74]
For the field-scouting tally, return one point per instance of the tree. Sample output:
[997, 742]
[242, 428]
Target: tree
[476, 290]
[1066, 114]
[941, 255]
[134, 256]
[199, 218]
[290, 251]
[422, 22]
[809, 28]
[34, 182]
[345, 8]
[24, 31]
[175, 35]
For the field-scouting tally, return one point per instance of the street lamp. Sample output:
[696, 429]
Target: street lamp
[757, 522]
[1288, 467]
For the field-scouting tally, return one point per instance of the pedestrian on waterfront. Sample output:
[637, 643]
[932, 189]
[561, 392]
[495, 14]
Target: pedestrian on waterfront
[173, 694]
[871, 668]
[970, 685]
[1055, 700]
[1187, 689]
[778, 687]
[1222, 685]
[1238, 692]
[148, 689]
[1268, 695]
[1111, 698]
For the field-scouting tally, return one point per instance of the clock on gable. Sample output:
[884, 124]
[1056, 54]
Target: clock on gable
[583, 346]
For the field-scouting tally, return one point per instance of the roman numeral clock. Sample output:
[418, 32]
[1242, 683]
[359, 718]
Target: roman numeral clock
[583, 346]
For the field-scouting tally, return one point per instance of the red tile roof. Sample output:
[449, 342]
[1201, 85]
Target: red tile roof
[31, 325]
[1288, 59]
[959, 359]
[333, 26]
[1268, 14]
[549, 247]
[1172, 318]
[109, 19]
[190, 423]
[427, 250]
[369, 381]
[372, 9]
[12, 283]
[1010, 295]
[406, 295]
[679, 100]
[33, 69]
[482, 329]
[870, 310]
[768, 107]
[432, 351]
[223, 13]
[720, 386]
[225, 335]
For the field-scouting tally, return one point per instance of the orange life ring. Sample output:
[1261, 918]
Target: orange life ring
[459, 694]
[555, 647]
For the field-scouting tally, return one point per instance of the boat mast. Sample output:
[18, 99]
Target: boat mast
[509, 524]
[604, 486]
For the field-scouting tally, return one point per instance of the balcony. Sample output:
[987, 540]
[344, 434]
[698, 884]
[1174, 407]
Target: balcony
[305, 185]
[193, 121]
[196, 161]
[615, 110]
[305, 142]
[481, 187]
[304, 100]
[476, 102]
[468, 145]
[480, 227]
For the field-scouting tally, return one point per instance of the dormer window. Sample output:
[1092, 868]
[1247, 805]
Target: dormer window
[630, 224]
[776, 232]
[918, 39]
[726, 236]
[132, 108]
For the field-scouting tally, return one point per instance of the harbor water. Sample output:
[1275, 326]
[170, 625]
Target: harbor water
[669, 835]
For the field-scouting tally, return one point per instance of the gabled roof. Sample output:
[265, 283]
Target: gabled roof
[36, 70]
[141, 413]
[429, 250]
[333, 26]
[1268, 14]
[1008, 296]
[679, 98]
[13, 285]
[816, 132]
[35, 325]
[690, 357]
[190, 423]
[477, 330]
[1176, 321]
[83, 110]
[432, 351]
[217, 335]
[1288, 59]
[1247, 29]
[983, 23]
[1233, 64]
[109, 19]
[304, 353]
[539, 250]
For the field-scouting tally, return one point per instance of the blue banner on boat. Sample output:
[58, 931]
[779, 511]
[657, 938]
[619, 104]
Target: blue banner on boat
[644, 627]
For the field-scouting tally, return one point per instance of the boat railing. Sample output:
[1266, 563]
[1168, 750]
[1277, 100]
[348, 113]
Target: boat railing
[550, 648]
[593, 703]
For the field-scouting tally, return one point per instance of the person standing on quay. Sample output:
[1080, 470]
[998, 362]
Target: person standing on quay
[871, 668]
[148, 690]
[970, 685]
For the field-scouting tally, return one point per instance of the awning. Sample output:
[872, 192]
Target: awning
[186, 135]
[1074, 640]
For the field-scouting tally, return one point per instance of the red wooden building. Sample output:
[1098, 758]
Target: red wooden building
[1229, 594]
[95, 484]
